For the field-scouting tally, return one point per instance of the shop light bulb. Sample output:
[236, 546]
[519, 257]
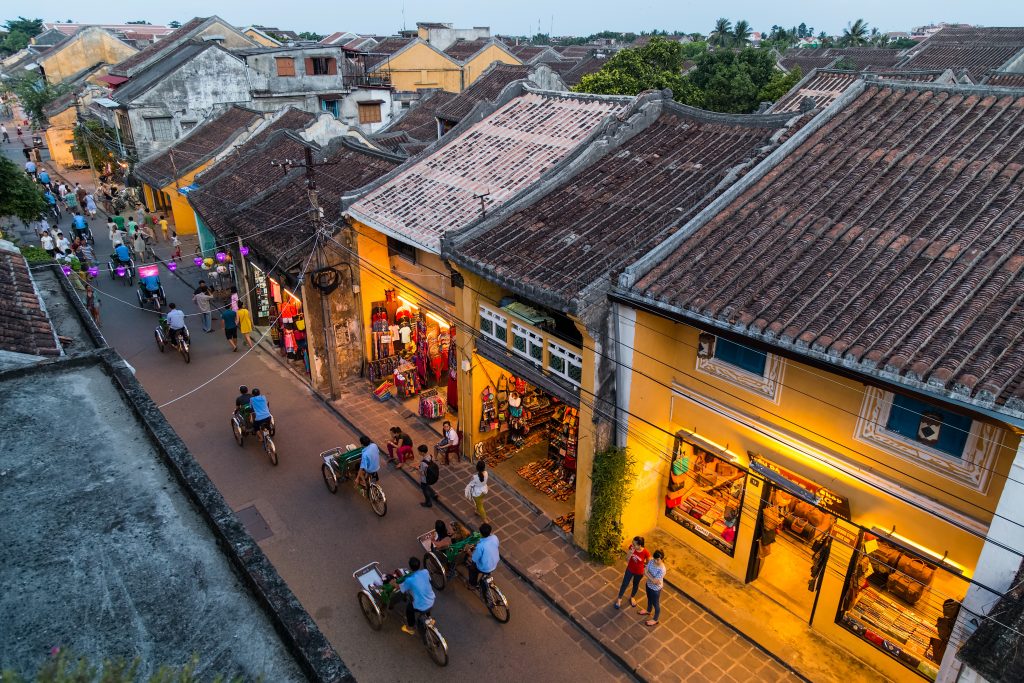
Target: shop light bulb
[93, 271]
[198, 260]
[66, 269]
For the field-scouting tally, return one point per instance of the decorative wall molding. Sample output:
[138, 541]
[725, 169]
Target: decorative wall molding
[767, 386]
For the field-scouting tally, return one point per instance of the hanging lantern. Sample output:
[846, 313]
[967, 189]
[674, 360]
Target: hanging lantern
[66, 269]
[172, 266]
[222, 257]
[244, 250]
[93, 271]
[121, 271]
[198, 260]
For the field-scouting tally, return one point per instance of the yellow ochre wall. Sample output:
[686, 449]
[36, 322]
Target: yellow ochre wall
[476, 66]
[421, 67]
[84, 50]
[60, 137]
[183, 216]
[261, 39]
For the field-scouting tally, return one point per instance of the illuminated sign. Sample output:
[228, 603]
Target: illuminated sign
[149, 271]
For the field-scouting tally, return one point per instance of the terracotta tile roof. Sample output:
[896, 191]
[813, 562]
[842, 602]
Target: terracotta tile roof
[861, 58]
[126, 66]
[806, 63]
[584, 67]
[386, 48]
[461, 50]
[527, 52]
[632, 195]
[24, 325]
[500, 155]
[486, 88]
[1005, 80]
[420, 121]
[199, 146]
[915, 76]
[350, 166]
[889, 241]
[822, 86]
[979, 34]
[976, 58]
[574, 51]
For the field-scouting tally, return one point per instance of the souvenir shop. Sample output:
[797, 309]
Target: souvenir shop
[802, 545]
[412, 356]
[279, 308]
[528, 432]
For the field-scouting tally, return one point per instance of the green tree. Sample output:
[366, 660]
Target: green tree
[901, 43]
[803, 32]
[309, 35]
[14, 41]
[845, 64]
[174, 24]
[92, 137]
[656, 66]
[34, 93]
[741, 33]
[30, 27]
[855, 34]
[779, 85]
[19, 196]
[732, 81]
[721, 35]
[612, 478]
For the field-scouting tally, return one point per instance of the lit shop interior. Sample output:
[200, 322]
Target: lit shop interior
[279, 308]
[527, 420]
[805, 547]
[412, 356]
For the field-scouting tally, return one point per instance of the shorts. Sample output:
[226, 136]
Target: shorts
[231, 332]
[259, 424]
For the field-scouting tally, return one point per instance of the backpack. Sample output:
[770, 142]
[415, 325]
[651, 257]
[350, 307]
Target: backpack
[433, 472]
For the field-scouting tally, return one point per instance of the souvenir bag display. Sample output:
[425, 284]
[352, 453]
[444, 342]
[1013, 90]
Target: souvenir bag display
[453, 372]
[488, 411]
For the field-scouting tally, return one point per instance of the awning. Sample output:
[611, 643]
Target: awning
[112, 80]
[370, 102]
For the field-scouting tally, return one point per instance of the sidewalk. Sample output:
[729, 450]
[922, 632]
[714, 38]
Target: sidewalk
[689, 644]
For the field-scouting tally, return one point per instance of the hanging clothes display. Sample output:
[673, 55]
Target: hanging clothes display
[453, 372]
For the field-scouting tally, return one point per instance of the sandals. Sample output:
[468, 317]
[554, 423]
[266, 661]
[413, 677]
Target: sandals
[632, 602]
[650, 622]
[642, 612]
[618, 603]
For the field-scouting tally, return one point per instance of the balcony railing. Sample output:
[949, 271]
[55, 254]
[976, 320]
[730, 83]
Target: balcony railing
[537, 346]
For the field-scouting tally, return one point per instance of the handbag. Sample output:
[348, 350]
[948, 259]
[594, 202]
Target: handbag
[916, 569]
[904, 587]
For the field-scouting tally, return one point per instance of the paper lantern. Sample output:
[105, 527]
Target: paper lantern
[66, 269]
[121, 271]
[93, 271]
[198, 260]
[172, 266]
[244, 250]
[221, 256]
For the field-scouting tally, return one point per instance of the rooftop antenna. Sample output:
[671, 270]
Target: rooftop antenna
[403, 16]
[483, 202]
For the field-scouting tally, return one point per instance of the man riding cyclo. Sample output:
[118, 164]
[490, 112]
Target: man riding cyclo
[420, 595]
[242, 404]
[150, 282]
[260, 412]
[173, 323]
[123, 255]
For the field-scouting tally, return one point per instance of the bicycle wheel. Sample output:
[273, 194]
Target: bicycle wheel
[378, 501]
[370, 610]
[159, 341]
[436, 645]
[183, 347]
[236, 430]
[496, 603]
[330, 478]
[270, 448]
[438, 578]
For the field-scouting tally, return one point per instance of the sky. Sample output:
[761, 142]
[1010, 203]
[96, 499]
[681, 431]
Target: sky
[564, 17]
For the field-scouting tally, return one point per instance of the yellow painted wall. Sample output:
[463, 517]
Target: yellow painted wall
[261, 39]
[476, 66]
[84, 50]
[60, 137]
[803, 417]
[183, 216]
[421, 67]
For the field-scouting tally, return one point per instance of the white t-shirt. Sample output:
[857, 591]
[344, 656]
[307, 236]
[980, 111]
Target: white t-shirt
[452, 436]
[176, 319]
[63, 244]
[47, 242]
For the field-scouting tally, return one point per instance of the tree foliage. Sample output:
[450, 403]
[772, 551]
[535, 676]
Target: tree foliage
[30, 27]
[855, 34]
[733, 82]
[34, 92]
[99, 140]
[19, 195]
[309, 35]
[613, 475]
[174, 24]
[14, 41]
[654, 66]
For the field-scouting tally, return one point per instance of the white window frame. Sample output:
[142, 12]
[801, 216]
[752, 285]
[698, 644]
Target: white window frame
[568, 358]
[973, 469]
[768, 385]
[497, 320]
[532, 340]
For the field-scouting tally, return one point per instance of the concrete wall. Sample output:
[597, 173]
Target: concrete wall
[443, 38]
[421, 68]
[350, 107]
[305, 84]
[84, 50]
[195, 92]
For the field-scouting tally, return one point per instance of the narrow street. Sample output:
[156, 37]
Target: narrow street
[317, 540]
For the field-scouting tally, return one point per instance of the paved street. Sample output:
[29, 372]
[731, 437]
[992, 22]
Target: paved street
[315, 539]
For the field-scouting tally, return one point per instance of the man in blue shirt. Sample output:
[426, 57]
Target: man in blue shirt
[369, 463]
[260, 411]
[417, 585]
[79, 225]
[485, 556]
[123, 254]
[151, 283]
[30, 168]
[44, 177]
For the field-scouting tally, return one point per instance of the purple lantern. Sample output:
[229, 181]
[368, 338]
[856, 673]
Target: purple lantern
[66, 269]
[172, 266]
[93, 271]
[221, 257]
[121, 271]
[244, 250]
[198, 260]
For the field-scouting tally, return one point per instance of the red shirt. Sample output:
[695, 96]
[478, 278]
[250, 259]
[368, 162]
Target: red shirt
[638, 560]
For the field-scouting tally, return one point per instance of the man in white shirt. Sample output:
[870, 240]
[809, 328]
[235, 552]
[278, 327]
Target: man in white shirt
[449, 444]
[175, 321]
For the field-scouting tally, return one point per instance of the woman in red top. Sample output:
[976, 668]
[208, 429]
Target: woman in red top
[638, 557]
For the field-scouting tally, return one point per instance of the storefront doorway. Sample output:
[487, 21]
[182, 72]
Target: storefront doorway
[279, 311]
[529, 437]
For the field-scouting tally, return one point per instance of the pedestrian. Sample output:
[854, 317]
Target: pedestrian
[80, 193]
[90, 205]
[476, 489]
[87, 252]
[244, 323]
[78, 225]
[399, 447]
[27, 152]
[47, 243]
[202, 300]
[655, 574]
[133, 227]
[140, 214]
[92, 305]
[18, 129]
[62, 243]
[230, 319]
[638, 557]
[43, 177]
[70, 201]
[6, 135]
[140, 246]
[164, 227]
[234, 298]
[429, 474]
[119, 221]
[44, 225]
[30, 168]
[175, 244]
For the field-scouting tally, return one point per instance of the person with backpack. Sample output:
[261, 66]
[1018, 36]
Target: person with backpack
[429, 474]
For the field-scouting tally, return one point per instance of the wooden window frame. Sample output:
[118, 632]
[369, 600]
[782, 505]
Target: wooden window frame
[283, 73]
[366, 109]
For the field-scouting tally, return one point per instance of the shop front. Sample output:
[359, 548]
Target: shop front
[277, 311]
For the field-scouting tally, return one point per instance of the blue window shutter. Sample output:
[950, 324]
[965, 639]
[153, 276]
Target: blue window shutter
[905, 420]
[741, 356]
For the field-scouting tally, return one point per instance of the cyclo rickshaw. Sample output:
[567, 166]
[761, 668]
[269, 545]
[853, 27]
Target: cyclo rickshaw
[150, 290]
[342, 464]
[444, 564]
[379, 592]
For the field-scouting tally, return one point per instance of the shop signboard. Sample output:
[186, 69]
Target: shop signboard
[262, 294]
[829, 501]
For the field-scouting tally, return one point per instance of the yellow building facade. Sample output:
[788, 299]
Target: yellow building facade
[477, 64]
[730, 460]
[168, 200]
[60, 137]
[87, 48]
[419, 66]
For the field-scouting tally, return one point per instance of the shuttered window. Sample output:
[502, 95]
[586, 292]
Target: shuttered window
[321, 66]
[369, 113]
[285, 66]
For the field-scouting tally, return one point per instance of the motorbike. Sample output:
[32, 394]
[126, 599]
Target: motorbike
[444, 564]
[241, 427]
[379, 592]
[180, 342]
